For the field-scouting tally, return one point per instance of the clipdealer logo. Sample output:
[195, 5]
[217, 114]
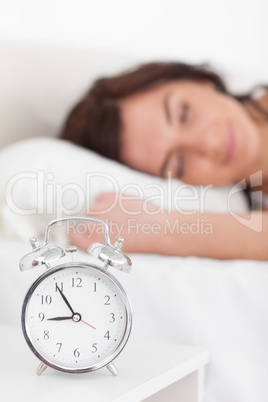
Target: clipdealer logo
[252, 220]
[30, 193]
[133, 226]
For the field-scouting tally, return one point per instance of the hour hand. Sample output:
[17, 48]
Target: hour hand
[59, 318]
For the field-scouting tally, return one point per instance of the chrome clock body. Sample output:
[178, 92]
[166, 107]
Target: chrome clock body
[76, 317]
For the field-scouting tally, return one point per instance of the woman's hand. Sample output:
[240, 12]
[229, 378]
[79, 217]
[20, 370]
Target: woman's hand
[136, 219]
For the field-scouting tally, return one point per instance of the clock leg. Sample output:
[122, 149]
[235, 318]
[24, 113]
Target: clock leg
[41, 368]
[112, 369]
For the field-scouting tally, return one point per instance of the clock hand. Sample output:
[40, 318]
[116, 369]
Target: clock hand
[66, 301]
[69, 318]
[74, 314]
[88, 324]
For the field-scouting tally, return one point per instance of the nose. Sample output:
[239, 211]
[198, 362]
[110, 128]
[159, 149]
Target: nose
[207, 141]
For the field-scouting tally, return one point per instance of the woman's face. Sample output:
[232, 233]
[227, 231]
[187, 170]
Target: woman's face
[191, 130]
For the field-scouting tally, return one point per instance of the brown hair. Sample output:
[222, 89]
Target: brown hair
[95, 121]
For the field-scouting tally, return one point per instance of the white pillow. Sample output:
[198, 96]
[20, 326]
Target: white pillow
[45, 178]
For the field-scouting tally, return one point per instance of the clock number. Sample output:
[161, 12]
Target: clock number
[60, 345]
[41, 316]
[76, 353]
[46, 299]
[46, 335]
[107, 303]
[107, 335]
[76, 282]
[59, 287]
[95, 287]
[112, 317]
[94, 347]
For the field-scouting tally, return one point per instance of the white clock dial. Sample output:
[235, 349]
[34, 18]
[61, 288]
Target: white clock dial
[76, 318]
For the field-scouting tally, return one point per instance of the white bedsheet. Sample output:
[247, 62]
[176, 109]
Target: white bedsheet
[221, 305]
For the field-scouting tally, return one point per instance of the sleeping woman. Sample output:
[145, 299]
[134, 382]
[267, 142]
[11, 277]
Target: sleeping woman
[178, 120]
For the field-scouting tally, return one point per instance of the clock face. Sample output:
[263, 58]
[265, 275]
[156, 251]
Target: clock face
[76, 318]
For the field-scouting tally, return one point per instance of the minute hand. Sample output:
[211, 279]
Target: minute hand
[66, 301]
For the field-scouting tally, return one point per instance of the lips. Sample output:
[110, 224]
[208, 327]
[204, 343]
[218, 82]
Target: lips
[230, 147]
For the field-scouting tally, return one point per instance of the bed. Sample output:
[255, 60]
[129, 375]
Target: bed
[219, 305]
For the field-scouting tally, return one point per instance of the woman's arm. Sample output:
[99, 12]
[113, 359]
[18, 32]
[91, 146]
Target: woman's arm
[148, 230]
[229, 238]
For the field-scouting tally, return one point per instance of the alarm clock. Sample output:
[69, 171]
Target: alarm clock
[76, 316]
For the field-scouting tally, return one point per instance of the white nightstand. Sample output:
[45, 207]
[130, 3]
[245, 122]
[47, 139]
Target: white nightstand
[146, 371]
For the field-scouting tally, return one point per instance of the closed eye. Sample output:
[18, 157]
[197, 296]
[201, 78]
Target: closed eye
[175, 163]
[181, 166]
[184, 113]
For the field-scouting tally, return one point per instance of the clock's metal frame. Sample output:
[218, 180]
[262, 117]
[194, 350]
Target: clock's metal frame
[123, 295]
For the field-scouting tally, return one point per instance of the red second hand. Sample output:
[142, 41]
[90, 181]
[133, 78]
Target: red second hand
[88, 324]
